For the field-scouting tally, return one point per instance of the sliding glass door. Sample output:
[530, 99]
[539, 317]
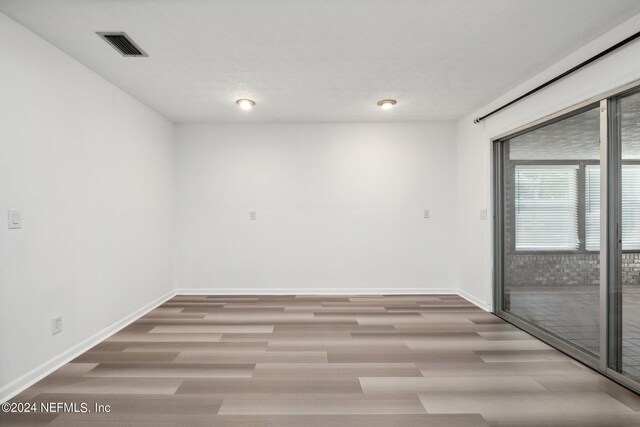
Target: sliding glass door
[551, 254]
[567, 232]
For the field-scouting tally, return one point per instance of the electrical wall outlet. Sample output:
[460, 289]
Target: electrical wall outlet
[15, 218]
[253, 215]
[427, 214]
[483, 214]
[56, 325]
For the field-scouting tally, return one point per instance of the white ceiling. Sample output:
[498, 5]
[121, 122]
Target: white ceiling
[321, 60]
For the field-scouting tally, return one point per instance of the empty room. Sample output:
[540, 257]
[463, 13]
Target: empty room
[339, 213]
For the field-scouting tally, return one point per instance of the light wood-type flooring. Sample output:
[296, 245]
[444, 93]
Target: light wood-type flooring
[339, 361]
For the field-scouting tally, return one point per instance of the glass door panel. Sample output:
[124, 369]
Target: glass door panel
[551, 229]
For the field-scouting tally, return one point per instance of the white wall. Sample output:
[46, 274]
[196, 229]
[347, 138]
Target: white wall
[93, 171]
[474, 148]
[339, 207]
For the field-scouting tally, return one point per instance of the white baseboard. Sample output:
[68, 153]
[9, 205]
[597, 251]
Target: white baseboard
[18, 385]
[486, 306]
[317, 291]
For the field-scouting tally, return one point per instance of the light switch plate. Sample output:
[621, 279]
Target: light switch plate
[427, 214]
[483, 214]
[14, 218]
[253, 215]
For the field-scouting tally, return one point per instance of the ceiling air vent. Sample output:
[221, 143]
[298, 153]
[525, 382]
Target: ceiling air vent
[122, 43]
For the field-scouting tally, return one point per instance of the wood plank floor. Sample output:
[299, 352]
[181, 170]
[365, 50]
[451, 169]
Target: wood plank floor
[327, 361]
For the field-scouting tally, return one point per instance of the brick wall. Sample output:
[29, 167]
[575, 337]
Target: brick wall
[564, 269]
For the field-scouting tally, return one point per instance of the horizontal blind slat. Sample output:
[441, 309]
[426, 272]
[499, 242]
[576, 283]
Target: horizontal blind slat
[630, 214]
[546, 208]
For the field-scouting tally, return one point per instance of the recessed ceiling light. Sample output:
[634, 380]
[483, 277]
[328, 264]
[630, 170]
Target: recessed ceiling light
[246, 104]
[386, 104]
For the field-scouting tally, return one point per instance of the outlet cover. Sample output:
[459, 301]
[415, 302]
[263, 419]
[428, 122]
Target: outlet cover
[56, 325]
[15, 219]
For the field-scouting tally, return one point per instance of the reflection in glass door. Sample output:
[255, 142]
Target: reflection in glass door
[550, 263]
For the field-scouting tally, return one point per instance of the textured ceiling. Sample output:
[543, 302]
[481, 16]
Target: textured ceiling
[325, 60]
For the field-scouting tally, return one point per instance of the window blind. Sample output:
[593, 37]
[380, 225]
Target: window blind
[630, 195]
[630, 187]
[546, 207]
